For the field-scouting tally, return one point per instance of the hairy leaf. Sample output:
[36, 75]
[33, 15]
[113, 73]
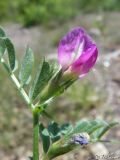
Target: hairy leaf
[54, 131]
[11, 52]
[2, 44]
[45, 137]
[2, 32]
[2, 48]
[26, 66]
[66, 128]
[81, 126]
[95, 128]
[100, 132]
[42, 77]
[95, 125]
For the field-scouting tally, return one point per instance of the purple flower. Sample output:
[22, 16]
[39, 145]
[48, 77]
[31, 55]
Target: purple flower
[82, 139]
[77, 52]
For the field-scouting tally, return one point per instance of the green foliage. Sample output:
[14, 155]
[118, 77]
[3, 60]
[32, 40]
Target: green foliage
[26, 66]
[2, 48]
[51, 12]
[53, 133]
[54, 129]
[2, 44]
[60, 136]
[2, 32]
[95, 5]
[45, 138]
[45, 72]
[8, 45]
[95, 128]
[42, 77]
[47, 12]
[106, 127]
[3, 9]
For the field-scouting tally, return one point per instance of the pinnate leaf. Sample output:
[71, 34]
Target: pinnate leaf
[45, 137]
[106, 127]
[54, 131]
[2, 44]
[2, 48]
[11, 52]
[26, 66]
[42, 77]
[95, 128]
[2, 32]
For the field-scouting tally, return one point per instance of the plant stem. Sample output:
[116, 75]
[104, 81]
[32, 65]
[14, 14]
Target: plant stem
[17, 84]
[35, 136]
[22, 91]
[35, 114]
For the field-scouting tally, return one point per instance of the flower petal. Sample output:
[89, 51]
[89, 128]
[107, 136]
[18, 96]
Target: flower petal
[86, 61]
[68, 46]
[72, 45]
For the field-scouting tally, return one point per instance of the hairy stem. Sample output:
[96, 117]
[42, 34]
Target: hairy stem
[32, 107]
[35, 136]
[22, 91]
[17, 84]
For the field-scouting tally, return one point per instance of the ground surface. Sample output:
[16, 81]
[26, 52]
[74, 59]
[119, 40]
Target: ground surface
[15, 142]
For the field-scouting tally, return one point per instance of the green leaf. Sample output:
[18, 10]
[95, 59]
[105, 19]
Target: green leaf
[2, 44]
[45, 138]
[95, 125]
[54, 131]
[100, 132]
[11, 52]
[26, 66]
[81, 126]
[66, 128]
[2, 48]
[57, 76]
[53, 128]
[2, 32]
[88, 126]
[95, 129]
[41, 80]
[6, 43]
[54, 66]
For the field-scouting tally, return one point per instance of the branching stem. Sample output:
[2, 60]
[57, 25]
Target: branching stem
[31, 106]
[17, 84]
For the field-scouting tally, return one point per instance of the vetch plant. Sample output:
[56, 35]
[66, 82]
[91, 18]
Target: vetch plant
[77, 54]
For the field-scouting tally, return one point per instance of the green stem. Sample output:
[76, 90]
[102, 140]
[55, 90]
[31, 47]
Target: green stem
[35, 136]
[17, 84]
[35, 114]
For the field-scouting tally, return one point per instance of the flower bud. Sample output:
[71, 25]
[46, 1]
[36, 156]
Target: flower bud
[77, 52]
[82, 139]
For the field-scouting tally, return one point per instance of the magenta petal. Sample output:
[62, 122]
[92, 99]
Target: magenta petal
[68, 46]
[85, 62]
[77, 52]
